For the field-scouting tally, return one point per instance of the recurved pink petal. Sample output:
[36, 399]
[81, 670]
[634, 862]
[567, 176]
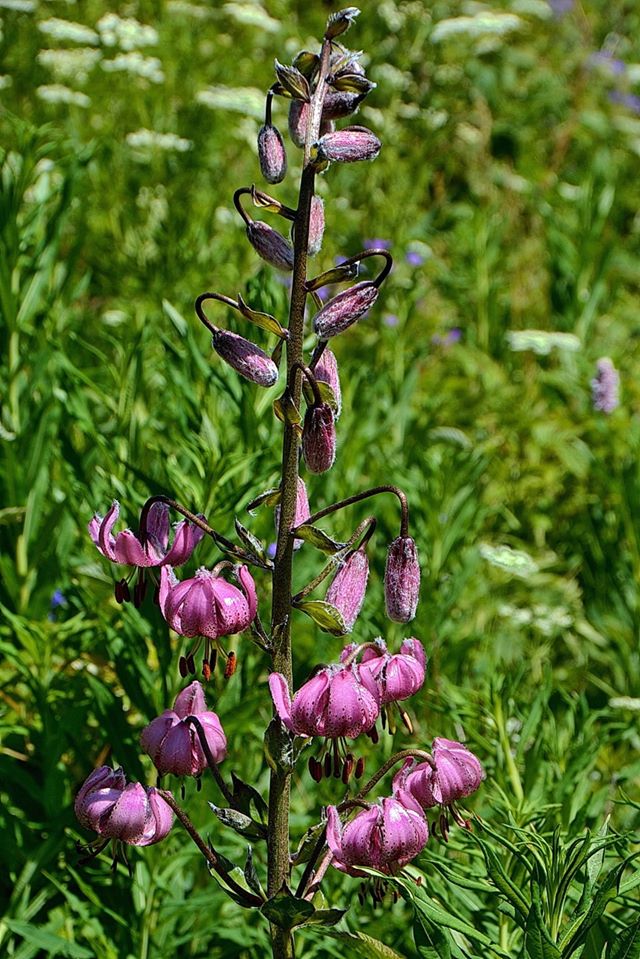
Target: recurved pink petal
[160, 820]
[308, 712]
[158, 528]
[129, 551]
[186, 538]
[153, 735]
[216, 739]
[100, 531]
[129, 817]
[281, 697]
[249, 587]
[190, 701]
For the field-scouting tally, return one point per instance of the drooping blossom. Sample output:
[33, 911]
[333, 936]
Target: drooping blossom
[133, 549]
[399, 675]
[453, 774]
[402, 580]
[338, 701]
[115, 809]
[206, 604]
[174, 744]
[270, 245]
[605, 386]
[385, 837]
[348, 587]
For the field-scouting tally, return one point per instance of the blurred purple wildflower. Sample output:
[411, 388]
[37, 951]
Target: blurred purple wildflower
[377, 244]
[606, 60]
[271, 550]
[605, 386]
[390, 319]
[629, 100]
[560, 7]
[452, 336]
[58, 599]
[414, 258]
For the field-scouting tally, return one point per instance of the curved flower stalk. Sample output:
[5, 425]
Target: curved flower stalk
[386, 837]
[172, 742]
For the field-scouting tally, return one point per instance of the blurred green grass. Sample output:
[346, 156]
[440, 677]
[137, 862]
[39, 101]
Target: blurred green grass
[511, 172]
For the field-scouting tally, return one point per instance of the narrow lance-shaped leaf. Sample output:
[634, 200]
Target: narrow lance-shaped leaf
[324, 615]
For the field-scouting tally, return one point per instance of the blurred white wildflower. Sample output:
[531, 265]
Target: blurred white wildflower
[114, 317]
[70, 63]
[5, 81]
[253, 14]
[68, 30]
[135, 63]
[625, 702]
[542, 342]
[487, 23]
[532, 8]
[514, 561]
[20, 6]
[48, 180]
[151, 139]
[126, 33]
[57, 93]
[188, 9]
[245, 100]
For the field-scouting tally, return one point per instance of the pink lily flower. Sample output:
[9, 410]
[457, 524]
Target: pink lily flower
[115, 809]
[174, 744]
[129, 549]
[386, 837]
[206, 604]
[399, 675]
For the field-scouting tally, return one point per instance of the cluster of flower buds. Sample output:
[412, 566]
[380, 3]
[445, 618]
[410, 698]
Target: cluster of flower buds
[116, 809]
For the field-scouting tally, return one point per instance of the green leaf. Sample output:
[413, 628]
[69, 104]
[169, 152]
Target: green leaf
[240, 823]
[318, 538]
[270, 497]
[500, 879]
[326, 393]
[250, 874]
[286, 911]
[264, 320]
[538, 941]
[176, 318]
[286, 410]
[324, 615]
[367, 946]
[626, 944]
[326, 917]
[339, 274]
[431, 941]
[252, 542]
[245, 797]
[294, 83]
[307, 63]
[340, 21]
[607, 891]
[46, 941]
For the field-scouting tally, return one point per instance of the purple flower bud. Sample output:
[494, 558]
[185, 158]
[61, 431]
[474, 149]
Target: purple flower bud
[298, 113]
[245, 357]
[130, 812]
[326, 371]
[316, 226]
[206, 604]
[399, 675]
[453, 774]
[129, 549]
[338, 701]
[348, 587]
[302, 511]
[270, 245]
[348, 145]
[174, 744]
[345, 309]
[402, 580]
[605, 386]
[337, 104]
[271, 153]
[319, 438]
[386, 837]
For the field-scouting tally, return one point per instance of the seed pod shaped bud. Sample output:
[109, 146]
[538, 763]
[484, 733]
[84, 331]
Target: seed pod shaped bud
[402, 580]
[348, 145]
[348, 587]
[343, 310]
[326, 371]
[319, 438]
[302, 510]
[270, 245]
[316, 226]
[245, 357]
[337, 105]
[298, 113]
[271, 154]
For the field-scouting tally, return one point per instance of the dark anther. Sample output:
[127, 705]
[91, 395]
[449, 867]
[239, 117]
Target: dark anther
[182, 666]
[327, 765]
[359, 767]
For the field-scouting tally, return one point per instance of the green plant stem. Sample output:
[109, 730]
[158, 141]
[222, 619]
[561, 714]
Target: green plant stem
[279, 785]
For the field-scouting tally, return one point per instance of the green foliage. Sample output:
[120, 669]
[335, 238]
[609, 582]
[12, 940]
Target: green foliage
[511, 175]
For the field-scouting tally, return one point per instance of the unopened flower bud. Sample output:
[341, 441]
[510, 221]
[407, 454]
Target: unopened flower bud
[298, 113]
[271, 153]
[348, 145]
[319, 438]
[348, 587]
[245, 357]
[316, 226]
[402, 580]
[345, 309]
[338, 105]
[270, 245]
[326, 371]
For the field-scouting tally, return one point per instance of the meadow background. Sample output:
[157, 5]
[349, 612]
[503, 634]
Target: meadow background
[508, 190]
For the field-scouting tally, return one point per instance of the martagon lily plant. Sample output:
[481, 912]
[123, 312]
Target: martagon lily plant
[365, 685]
